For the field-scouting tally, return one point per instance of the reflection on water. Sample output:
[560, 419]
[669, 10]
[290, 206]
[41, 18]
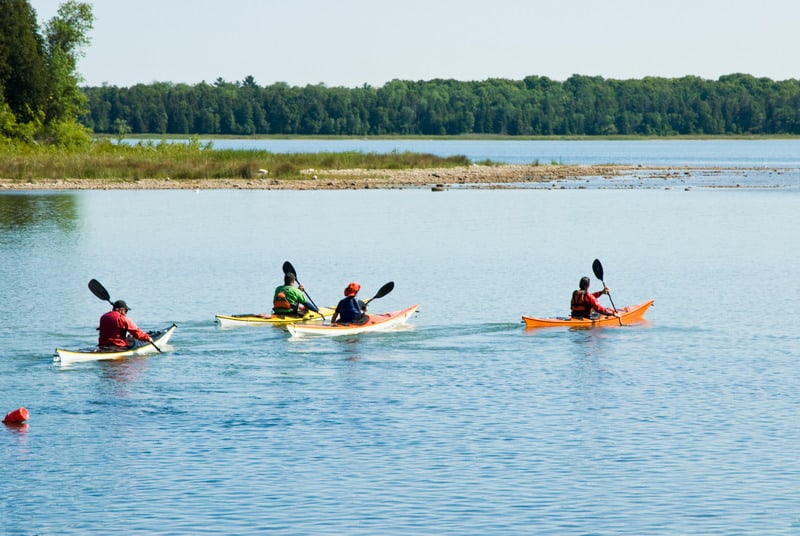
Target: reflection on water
[25, 210]
[124, 371]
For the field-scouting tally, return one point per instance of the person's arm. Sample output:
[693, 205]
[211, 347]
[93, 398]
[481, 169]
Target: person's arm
[135, 332]
[592, 298]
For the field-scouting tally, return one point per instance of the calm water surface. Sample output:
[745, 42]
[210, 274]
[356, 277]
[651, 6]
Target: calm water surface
[657, 152]
[462, 423]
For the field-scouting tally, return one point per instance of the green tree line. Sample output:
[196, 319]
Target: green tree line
[40, 98]
[735, 104]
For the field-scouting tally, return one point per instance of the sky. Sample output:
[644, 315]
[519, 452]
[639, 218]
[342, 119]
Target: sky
[349, 43]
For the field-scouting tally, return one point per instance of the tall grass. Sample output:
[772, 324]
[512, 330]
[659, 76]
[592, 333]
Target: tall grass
[150, 160]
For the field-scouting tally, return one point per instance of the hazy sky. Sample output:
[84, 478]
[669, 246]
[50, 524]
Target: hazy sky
[352, 42]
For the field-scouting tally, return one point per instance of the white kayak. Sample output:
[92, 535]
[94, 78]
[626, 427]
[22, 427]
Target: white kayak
[379, 322]
[161, 338]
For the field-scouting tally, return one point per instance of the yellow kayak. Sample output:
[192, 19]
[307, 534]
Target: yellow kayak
[227, 321]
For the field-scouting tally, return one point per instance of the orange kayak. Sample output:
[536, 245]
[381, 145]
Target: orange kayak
[630, 315]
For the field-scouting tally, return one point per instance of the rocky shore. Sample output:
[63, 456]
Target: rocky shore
[474, 175]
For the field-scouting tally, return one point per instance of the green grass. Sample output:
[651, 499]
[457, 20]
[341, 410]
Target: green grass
[192, 160]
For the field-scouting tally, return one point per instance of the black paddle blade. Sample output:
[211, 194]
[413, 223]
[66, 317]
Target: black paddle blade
[597, 268]
[289, 269]
[384, 290]
[99, 290]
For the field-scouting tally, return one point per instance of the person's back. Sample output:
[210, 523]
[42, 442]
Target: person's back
[349, 310]
[112, 330]
[286, 299]
[580, 307]
[115, 327]
[584, 303]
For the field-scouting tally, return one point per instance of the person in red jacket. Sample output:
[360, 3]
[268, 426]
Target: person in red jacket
[584, 303]
[115, 327]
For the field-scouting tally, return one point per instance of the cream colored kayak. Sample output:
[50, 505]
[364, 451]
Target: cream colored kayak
[160, 339]
[379, 322]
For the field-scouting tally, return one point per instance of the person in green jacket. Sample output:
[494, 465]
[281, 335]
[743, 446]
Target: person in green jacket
[288, 300]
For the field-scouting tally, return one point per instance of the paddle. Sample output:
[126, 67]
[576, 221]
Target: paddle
[597, 268]
[101, 292]
[289, 269]
[383, 291]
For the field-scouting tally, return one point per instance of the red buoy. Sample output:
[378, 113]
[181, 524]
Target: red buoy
[16, 416]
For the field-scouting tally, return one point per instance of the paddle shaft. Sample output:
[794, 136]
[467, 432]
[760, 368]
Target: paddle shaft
[597, 268]
[101, 292]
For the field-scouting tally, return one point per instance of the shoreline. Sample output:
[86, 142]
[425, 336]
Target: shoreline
[477, 176]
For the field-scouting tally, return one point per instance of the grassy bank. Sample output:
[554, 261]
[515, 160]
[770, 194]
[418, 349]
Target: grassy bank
[191, 161]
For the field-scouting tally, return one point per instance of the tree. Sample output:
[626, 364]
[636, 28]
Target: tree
[22, 70]
[65, 36]
[38, 76]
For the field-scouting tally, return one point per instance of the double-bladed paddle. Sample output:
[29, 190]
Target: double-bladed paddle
[101, 292]
[289, 269]
[597, 268]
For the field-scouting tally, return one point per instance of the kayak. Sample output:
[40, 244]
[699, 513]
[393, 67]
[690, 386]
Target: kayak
[630, 315]
[161, 338]
[229, 321]
[374, 323]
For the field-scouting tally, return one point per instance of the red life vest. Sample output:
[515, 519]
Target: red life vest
[580, 306]
[281, 303]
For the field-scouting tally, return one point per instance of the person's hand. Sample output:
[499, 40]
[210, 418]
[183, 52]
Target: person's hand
[300, 287]
[606, 290]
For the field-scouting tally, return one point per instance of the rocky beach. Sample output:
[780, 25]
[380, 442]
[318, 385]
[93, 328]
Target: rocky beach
[479, 176]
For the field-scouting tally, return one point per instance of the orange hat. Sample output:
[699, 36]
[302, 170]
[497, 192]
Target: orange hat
[352, 289]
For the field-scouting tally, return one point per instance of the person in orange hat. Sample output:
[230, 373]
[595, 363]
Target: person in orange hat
[350, 310]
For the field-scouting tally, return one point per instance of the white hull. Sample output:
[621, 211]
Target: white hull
[65, 357]
[376, 323]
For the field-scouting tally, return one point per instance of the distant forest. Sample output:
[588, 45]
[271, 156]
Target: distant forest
[736, 104]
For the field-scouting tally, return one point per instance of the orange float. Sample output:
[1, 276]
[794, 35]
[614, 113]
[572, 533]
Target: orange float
[16, 416]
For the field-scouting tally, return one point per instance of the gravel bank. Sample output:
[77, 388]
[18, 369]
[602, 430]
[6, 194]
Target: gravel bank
[478, 175]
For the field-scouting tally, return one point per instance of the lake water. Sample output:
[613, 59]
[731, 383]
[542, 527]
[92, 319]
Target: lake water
[462, 423]
[783, 153]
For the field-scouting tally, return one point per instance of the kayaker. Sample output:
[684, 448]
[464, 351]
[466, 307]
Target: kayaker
[288, 300]
[115, 326]
[584, 303]
[350, 310]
